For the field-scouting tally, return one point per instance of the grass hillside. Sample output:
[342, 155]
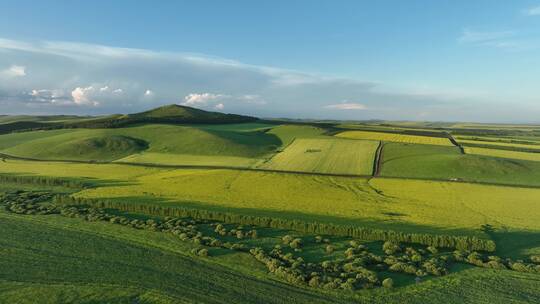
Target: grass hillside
[172, 114]
[105, 148]
[439, 162]
[160, 140]
[287, 133]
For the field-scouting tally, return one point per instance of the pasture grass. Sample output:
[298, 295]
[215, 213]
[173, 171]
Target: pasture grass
[288, 133]
[160, 138]
[328, 155]
[190, 160]
[447, 163]
[415, 205]
[503, 153]
[392, 137]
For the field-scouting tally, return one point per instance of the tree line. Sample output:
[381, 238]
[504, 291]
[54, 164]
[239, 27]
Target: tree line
[440, 241]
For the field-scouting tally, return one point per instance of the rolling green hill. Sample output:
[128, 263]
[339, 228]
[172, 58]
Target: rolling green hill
[159, 139]
[171, 114]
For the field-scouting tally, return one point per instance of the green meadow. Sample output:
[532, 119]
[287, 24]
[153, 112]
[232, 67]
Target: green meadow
[175, 205]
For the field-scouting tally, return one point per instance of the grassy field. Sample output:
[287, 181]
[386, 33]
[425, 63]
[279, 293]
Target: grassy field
[503, 153]
[32, 271]
[328, 155]
[502, 140]
[426, 185]
[104, 262]
[190, 160]
[390, 137]
[428, 207]
[438, 162]
[288, 133]
[101, 144]
[494, 145]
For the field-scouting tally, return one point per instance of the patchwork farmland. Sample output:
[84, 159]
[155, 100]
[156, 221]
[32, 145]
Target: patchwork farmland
[251, 211]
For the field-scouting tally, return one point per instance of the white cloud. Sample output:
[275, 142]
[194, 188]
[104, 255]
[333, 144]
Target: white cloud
[82, 96]
[118, 91]
[201, 99]
[14, 71]
[533, 11]
[148, 93]
[104, 89]
[507, 40]
[346, 106]
[477, 37]
[219, 106]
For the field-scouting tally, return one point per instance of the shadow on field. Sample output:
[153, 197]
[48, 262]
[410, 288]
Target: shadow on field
[393, 222]
[516, 244]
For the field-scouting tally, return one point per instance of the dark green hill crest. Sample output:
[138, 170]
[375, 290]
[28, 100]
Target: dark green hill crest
[173, 114]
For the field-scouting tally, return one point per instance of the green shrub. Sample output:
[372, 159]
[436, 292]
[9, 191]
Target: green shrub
[388, 283]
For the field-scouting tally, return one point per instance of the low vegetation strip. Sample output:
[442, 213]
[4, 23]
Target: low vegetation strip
[377, 163]
[318, 155]
[503, 153]
[441, 241]
[393, 137]
[503, 146]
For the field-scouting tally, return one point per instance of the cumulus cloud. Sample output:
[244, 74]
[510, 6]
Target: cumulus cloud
[81, 96]
[201, 99]
[346, 106]
[219, 106]
[14, 71]
[148, 93]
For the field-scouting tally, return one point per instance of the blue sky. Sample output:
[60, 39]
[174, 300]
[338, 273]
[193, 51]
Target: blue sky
[408, 60]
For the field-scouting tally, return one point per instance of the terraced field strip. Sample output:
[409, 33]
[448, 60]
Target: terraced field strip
[503, 153]
[495, 144]
[328, 155]
[393, 137]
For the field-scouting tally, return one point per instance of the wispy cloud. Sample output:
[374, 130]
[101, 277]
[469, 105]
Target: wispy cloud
[14, 71]
[498, 39]
[532, 11]
[346, 106]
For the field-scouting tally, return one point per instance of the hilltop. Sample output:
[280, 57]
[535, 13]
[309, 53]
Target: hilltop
[170, 114]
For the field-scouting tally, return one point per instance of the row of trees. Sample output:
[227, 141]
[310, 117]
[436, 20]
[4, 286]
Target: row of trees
[41, 180]
[439, 241]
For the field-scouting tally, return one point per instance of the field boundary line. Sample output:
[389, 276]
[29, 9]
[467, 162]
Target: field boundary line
[455, 143]
[377, 162]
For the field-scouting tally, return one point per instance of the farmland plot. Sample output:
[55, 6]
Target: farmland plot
[503, 153]
[317, 155]
[392, 137]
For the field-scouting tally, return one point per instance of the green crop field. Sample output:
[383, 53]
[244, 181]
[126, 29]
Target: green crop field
[391, 137]
[336, 156]
[447, 163]
[503, 153]
[179, 205]
[501, 145]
